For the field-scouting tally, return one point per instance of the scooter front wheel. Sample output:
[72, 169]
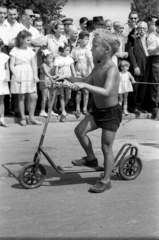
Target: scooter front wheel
[130, 168]
[30, 178]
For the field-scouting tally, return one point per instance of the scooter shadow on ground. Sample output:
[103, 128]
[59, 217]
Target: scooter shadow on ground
[61, 179]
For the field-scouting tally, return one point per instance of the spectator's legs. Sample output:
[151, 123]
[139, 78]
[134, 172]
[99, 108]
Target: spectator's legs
[154, 88]
[78, 100]
[32, 105]
[62, 101]
[44, 98]
[21, 99]
[85, 100]
[68, 96]
[125, 103]
[120, 99]
[1, 108]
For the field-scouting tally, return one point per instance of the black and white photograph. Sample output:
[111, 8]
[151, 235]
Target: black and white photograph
[79, 119]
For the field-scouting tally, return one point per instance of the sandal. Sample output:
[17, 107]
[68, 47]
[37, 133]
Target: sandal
[4, 124]
[85, 162]
[85, 112]
[34, 122]
[22, 122]
[100, 187]
[63, 118]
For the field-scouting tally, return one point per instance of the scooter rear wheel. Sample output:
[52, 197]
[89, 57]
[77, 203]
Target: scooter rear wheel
[30, 179]
[130, 168]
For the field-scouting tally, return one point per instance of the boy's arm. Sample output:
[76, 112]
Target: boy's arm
[71, 79]
[111, 76]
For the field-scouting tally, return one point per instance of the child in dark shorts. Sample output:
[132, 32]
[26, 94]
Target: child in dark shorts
[108, 118]
[103, 83]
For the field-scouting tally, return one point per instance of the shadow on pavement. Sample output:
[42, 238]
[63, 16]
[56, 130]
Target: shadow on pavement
[63, 179]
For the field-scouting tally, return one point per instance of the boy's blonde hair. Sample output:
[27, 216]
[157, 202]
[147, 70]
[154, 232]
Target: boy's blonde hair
[108, 39]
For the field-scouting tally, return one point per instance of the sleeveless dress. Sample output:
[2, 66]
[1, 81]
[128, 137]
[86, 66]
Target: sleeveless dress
[23, 70]
[4, 89]
[125, 84]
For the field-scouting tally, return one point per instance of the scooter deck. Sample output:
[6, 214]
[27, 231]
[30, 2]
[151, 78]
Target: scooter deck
[79, 169]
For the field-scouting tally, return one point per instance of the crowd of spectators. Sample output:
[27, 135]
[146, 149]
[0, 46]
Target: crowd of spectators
[31, 51]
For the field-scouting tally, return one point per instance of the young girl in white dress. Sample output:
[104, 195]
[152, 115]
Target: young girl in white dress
[4, 78]
[83, 66]
[46, 73]
[64, 65]
[24, 76]
[125, 85]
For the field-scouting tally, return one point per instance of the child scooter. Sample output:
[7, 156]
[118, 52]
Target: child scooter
[127, 164]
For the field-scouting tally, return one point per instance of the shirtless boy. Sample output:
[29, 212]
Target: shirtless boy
[103, 83]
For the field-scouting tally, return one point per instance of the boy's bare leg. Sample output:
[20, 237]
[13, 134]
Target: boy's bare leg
[85, 126]
[107, 144]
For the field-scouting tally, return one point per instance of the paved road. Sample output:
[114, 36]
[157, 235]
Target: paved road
[62, 207]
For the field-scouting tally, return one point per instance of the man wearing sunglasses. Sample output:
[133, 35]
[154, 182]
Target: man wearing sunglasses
[133, 19]
[27, 18]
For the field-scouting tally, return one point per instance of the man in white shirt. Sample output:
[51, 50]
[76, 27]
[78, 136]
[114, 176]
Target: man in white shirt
[11, 27]
[153, 48]
[26, 23]
[3, 15]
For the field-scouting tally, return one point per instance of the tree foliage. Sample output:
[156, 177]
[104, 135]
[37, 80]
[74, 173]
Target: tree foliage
[145, 8]
[51, 8]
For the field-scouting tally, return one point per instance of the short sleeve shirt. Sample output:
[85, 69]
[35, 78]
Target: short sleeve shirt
[35, 33]
[153, 41]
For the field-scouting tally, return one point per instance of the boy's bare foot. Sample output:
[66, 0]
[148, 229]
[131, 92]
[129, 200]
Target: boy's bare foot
[100, 186]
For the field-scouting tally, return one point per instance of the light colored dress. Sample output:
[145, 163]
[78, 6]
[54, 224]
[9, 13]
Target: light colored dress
[23, 70]
[63, 64]
[125, 84]
[82, 58]
[4, 89]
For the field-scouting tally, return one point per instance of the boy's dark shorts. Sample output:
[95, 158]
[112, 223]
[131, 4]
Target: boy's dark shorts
[108, 118]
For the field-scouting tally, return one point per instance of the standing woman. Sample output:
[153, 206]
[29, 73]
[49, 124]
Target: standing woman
[56, 38]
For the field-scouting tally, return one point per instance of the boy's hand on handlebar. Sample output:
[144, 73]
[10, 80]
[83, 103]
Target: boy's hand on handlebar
[77, 86]
[59, 77]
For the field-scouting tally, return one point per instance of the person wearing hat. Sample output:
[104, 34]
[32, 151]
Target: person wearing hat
[153, 48]
[67, 22]
[98, 22]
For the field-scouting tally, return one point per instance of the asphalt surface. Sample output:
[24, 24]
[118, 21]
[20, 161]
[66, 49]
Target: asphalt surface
[63, 208]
